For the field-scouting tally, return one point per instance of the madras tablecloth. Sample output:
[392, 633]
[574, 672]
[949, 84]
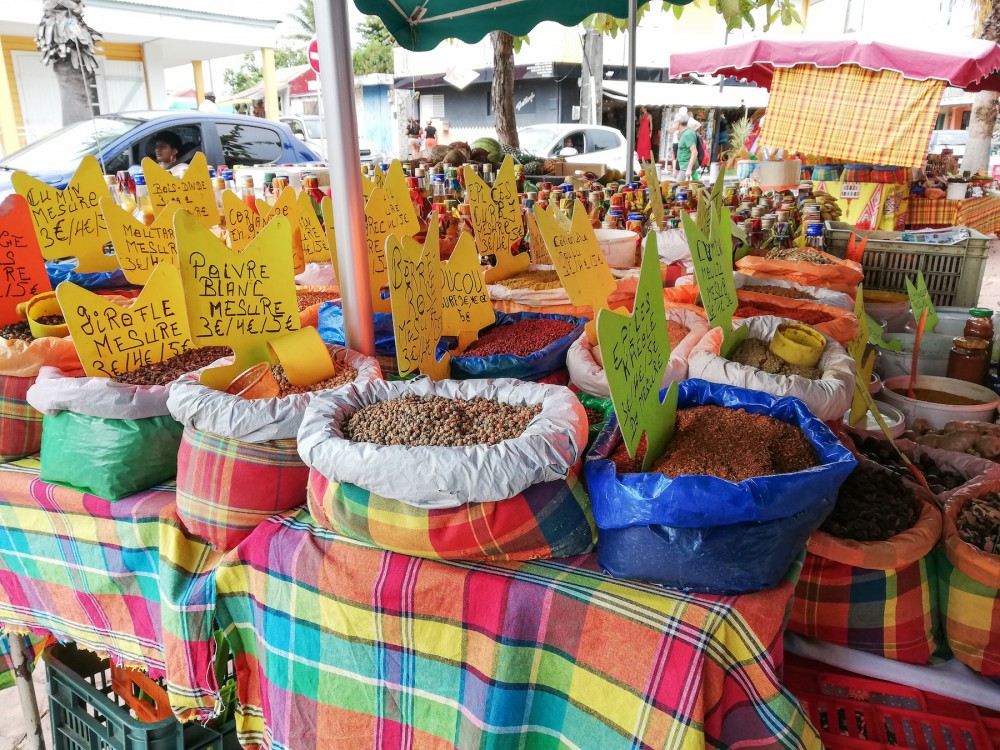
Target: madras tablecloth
[981, 214]
[121, 578]
[343, 644]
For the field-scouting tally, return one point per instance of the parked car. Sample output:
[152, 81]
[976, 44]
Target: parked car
[577, 144]
[312, 131]
[122, 140]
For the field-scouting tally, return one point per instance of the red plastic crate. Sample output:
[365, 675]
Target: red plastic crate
[850, 711]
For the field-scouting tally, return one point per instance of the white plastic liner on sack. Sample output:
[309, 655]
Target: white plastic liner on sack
[317, 274]
[446, 476]
[827, 398]
[626, 282]
[256, 420]
[55, 391]
[672, 247]
[587, 373]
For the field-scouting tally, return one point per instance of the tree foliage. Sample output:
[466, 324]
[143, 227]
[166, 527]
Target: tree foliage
[249, 73]
[374, 55]
[304, 18]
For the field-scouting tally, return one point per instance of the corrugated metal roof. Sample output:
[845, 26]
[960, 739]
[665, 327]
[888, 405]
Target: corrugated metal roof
[250, 10]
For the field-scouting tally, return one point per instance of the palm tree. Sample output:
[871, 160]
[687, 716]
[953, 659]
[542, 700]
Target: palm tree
[68, 44]
[305, 18]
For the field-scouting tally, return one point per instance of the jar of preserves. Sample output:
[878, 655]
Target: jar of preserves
[969, 360]
[980, 324]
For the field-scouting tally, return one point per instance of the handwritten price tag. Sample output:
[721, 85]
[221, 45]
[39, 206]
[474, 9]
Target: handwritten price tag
[415, 292]
[286, 205]
[140, 248]
[655, 196]
[636, 349]
[580, 264]
[400, 208]
[69, 222]
[496, 220]
[315, 248]
[920, 300]
[242, 222]
[536, 243]
[465, 304]
[112, 339]
[193, 191]
[240, 300]
[22, 268]
[326, 206]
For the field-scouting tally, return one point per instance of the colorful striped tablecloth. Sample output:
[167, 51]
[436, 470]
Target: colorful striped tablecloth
[981, 214]
[122, 579]
[342, 644]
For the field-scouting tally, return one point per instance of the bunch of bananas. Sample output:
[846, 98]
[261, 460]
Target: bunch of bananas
[828, 208]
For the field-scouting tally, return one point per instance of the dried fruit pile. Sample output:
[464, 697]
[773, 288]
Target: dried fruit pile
[308, 299]
[978, 523]
[436, 420]
[809, 317]
[778, 291]
[169, 370]
[341, 375]
[809, 256]
[731, 444]
[873, 505]
[533, 280]
[676, 332]
[755, 353]
[51, 320]
[975, 438]
[526, 336]
[20, 330]
[938, 478]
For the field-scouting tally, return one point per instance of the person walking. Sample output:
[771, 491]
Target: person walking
[412, 132]
[687, 148]
[643, 140]
[430, 135]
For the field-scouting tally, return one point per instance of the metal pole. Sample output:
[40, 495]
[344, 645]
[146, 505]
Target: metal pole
[630, 122]
[21, 663]
[337, 83]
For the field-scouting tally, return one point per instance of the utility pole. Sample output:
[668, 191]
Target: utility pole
[592, 78]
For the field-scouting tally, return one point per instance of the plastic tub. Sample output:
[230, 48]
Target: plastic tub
[618, 246]
[951, 322]
[932, 360]
[938, 415]
[892, 307]
[868, 427]
[957, 190]
[875, 385]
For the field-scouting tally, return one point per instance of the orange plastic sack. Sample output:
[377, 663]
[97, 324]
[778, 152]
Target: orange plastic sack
[309, 316]
[841, 276]
[842, 326]
[24, 359]
[556, 301]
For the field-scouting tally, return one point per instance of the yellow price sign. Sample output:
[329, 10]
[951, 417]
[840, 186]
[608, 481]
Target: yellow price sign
[539, 252]
[242, 222]
[415, 293]
[465, 303]
[140, 248]
[402, 212]
[286, 205]
[582, 267]
[315, 248]
[240, 300]
[22, 268]
[326, 206]
[193, 191]
[380, 224]
[69, 222]
[113, 339]
[497, 222]
[655, 196]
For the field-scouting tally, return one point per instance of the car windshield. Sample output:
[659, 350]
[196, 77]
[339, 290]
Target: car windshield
[66, 147]
[536, 140]
[315, 129]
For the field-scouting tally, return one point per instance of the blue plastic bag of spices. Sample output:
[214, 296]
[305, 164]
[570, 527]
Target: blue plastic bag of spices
[706, 534]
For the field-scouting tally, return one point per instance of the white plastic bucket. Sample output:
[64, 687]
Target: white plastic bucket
[618, 246]
[957, 191]
[780, 175]
[932, 360]
[938, 415]
[868, 427]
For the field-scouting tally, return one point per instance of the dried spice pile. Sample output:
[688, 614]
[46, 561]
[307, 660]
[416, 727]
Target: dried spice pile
[939, 479]
[341, 375]
[731, 444]
[873, 505]
[778, 291]
[808, 256]
[308, 299]
[978, 523]
[20, 330]
[594, 416]
[809, 317]
[436, 420]
[526, 336]
[755, 353]
[676, 332]
[167, 371]
[534, 280]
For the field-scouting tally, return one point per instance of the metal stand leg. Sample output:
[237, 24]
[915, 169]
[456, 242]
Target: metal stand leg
[21, 661]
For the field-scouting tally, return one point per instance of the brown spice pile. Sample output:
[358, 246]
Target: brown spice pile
[676, 332]
[167, 371]
[20, 330]
[594, 417]
[308, 299]
[778, 291]
[873, 505]
[52, 320]
[755, 353]
[341, 375]
[436, 420]
[533, 280]
[526, 336]
[978, 523]
[807, 256]
[732, 444]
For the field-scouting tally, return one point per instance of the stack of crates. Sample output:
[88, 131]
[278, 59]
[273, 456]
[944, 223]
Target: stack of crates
[954, 273]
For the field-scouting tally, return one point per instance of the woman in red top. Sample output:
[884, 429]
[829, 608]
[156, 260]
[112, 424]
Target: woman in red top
[643, 141]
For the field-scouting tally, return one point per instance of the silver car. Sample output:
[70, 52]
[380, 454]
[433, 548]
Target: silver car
[312, 130]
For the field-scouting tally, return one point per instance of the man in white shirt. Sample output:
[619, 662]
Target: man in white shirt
[209, 104]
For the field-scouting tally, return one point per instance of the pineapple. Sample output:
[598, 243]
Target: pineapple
[534, 167]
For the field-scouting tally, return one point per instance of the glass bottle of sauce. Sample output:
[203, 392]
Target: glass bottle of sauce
[980, 324]
[247, 193]
[219, 187]
[969, 360]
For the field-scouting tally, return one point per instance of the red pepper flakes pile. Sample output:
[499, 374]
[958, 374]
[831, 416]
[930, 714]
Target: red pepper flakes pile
[809, 317]
[522, 338]
[732, 444]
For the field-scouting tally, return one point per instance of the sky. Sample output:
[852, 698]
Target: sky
[181, 78]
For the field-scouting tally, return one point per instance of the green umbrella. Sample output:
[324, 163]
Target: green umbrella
[421, 25]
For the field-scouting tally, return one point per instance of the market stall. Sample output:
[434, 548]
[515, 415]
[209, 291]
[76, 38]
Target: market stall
[981, 214]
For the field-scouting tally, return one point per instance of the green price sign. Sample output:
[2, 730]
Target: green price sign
[920, 300]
